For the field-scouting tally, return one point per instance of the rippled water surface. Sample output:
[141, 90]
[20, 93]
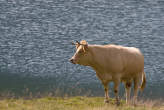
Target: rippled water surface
[36, 36]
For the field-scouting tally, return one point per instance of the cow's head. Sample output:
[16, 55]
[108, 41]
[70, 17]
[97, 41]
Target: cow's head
[82, 55]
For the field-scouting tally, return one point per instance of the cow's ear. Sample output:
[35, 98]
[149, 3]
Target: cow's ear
[85, 47]
[77, 44]
[84, 44]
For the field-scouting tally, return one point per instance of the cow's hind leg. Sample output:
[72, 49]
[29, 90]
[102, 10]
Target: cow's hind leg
[106, 92]
[116, 90]
[128, 90]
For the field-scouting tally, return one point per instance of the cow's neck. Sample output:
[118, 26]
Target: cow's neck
[94, 62]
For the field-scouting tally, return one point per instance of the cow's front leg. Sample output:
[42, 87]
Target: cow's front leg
[136, 86]
[116, 90]
[106, 92]
[128, 89]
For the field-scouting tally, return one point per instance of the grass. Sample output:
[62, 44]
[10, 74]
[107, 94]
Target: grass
[73, 103]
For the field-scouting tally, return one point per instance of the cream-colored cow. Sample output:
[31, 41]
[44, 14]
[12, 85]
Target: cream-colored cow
[113, 63]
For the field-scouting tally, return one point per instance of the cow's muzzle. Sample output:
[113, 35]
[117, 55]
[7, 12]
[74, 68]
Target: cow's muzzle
[72, 60]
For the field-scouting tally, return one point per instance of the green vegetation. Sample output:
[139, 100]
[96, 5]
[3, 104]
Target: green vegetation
[72, 103]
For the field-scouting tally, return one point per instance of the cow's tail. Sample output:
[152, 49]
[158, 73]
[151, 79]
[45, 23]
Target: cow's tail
[143, 83]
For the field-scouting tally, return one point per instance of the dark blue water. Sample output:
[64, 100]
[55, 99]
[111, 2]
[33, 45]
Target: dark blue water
[36, 36]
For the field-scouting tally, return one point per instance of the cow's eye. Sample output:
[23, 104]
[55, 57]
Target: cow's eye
[80, 51]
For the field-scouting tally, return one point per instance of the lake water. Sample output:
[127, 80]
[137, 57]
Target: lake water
[36, 36]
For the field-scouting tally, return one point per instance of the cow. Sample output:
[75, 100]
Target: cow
[113, 63]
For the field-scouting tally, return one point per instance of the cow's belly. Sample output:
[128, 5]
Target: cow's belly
[105, 77]
[133, 69]
[126, 77]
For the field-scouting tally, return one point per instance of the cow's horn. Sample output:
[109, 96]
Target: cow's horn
[78, 42]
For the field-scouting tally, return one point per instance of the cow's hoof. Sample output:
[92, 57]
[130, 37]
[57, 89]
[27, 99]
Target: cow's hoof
[106, 101]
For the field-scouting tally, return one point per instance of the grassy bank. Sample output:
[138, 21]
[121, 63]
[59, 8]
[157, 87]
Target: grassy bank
[73, 103]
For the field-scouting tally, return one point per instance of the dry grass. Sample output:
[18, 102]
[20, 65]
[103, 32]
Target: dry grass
[74, 103]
